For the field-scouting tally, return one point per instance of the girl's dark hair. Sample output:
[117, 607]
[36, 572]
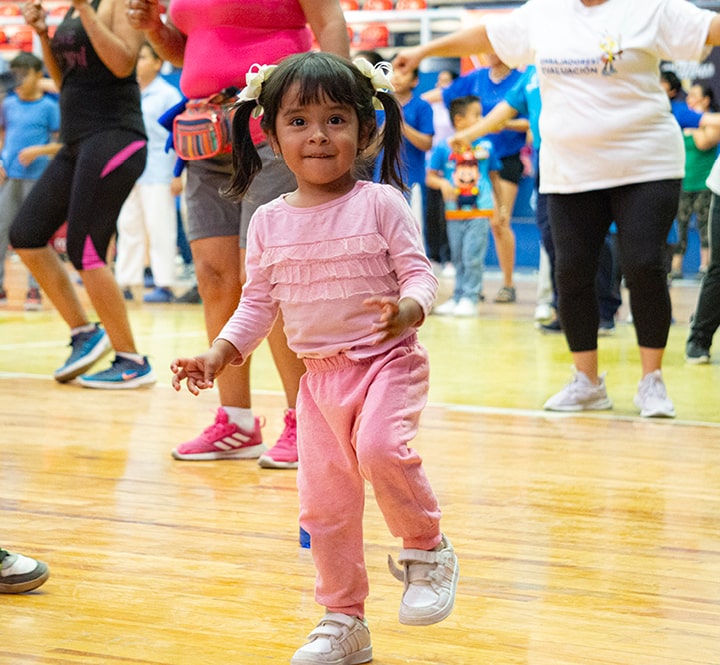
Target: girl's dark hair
[708, 92]
[320, 77]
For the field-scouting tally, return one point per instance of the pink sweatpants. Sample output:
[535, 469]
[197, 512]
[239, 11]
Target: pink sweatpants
[355, 420]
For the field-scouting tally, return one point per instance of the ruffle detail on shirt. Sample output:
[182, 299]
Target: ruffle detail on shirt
[330, 269]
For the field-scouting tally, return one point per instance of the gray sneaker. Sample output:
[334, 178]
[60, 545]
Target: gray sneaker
[580, 395]
[19, 573]
[696, 353]
[338, 639]
[430, 583]
[652, 399]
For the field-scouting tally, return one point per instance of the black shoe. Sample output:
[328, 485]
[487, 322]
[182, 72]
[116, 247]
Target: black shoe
[148, 279]
[551, 328]
[191, 296]
[697, 354]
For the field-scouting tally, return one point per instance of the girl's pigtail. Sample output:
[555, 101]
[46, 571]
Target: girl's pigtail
[245, 159]
[391, 140]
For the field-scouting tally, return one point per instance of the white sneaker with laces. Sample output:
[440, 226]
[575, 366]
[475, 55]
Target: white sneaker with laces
[339, 639]
[580, 395]
[543, 313]
[465, 307]
[446, 309]
[652, 399]
[430, 583]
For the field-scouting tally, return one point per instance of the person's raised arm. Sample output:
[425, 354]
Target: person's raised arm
[462, 43]
[327, 21]
[494, 121]
[713, 36]
[167, 41]
[34, 15]
[114, 40]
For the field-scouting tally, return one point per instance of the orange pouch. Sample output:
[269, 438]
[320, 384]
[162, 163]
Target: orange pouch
[202, 130]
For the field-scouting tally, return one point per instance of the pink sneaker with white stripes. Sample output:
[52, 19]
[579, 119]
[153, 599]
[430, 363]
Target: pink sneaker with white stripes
[284, 454]
[222, 440]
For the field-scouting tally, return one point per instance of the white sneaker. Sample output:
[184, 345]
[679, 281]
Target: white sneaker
[338, 639]
[430, 583]
[543, 313]
[465, 307]
[446, 309]
[448, 270]
[652, 399]
[580, 395]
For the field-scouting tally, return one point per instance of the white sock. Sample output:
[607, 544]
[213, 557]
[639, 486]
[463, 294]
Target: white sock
[135, 357]
[243, 418]
[88, 327]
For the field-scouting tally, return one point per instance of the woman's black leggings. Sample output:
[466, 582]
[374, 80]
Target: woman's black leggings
[86, 184]
[643, 214]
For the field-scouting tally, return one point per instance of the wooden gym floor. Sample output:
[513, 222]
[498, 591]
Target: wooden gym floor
[590, 539]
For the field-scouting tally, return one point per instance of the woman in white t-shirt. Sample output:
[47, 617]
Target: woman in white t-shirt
[611, 151]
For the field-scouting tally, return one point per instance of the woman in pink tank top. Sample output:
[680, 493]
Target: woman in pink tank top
[216, 42]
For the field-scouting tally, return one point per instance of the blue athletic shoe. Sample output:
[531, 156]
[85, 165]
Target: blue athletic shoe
[159, 294]
[87, 349]
[123, 373]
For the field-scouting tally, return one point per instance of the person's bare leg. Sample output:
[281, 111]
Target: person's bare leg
[217, 268]
[704, 257]
[650, 359]
[108, 301]
[289, 366]
[503, 234]
[587, 363]
[48, 269]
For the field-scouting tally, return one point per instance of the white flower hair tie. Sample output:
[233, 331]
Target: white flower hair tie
[379, 76]
[254, 79]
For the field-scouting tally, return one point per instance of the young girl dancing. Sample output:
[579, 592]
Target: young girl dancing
[343, 260]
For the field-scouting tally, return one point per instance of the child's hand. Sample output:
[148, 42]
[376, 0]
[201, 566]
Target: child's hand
[28, 155]
[395, 316]
[201, 371]
[449, 193]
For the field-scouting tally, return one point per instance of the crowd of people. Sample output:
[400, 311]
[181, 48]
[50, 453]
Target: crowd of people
[340, 296]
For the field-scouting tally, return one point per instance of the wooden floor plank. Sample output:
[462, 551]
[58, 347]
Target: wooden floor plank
[590, 539]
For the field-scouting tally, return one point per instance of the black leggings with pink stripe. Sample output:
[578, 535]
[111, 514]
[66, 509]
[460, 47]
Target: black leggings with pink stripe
[643, 214]
[86, 184]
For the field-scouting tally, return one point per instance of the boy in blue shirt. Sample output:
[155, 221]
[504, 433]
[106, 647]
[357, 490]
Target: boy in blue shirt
[467, 180]
[29, 123]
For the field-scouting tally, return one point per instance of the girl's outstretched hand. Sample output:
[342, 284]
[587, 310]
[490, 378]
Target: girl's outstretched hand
[396, 316]
[201, 371]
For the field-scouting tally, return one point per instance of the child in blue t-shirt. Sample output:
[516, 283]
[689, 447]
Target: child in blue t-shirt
[466, 180]
[29, 123]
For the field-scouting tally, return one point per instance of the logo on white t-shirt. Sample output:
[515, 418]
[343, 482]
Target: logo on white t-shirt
[612, 50]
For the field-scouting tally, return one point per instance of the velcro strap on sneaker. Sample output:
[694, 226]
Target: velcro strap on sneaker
[414, 556]
[427, 570]
[331, 625]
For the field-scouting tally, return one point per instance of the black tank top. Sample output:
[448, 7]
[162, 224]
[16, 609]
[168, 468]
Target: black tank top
[92, 98]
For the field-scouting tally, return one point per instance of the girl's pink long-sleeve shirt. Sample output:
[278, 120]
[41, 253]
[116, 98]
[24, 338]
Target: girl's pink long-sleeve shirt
[319, 264]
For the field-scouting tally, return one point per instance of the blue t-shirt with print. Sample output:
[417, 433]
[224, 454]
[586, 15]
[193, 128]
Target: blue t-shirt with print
[469, 172]
[27, 123]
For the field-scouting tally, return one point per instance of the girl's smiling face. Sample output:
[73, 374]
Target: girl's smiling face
[319, 142]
